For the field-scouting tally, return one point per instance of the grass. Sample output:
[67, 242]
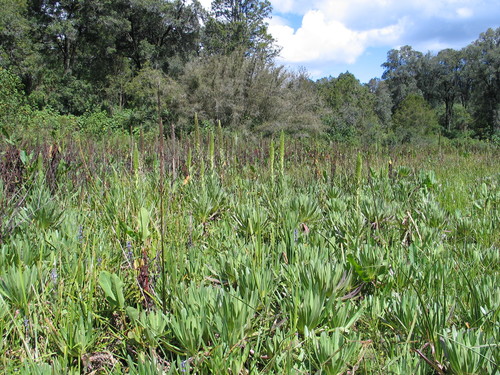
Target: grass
[345, 261]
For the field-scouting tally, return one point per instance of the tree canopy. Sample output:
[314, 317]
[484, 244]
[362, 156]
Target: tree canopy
[77, 57]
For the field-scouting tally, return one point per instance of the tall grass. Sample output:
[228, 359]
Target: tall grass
[367, 270]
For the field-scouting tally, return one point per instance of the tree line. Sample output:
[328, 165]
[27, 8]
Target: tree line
[115, 63]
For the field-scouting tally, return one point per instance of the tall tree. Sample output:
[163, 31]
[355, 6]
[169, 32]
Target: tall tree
[383, 100]
[92, 45]
[414, 120]
[273, 99]
[162, 34]
[483, 67]
[239, 24]
[351, 107]
[439, 81]
[18, 51]
[401, 71]
[63, 28]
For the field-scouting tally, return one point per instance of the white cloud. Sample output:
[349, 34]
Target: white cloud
[341, 30]
[367, 10]
[284, 6]
[465, 12]
[320, 38]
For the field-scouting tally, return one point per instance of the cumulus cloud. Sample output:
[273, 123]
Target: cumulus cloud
[326, 39]
[341, 30]
[321, 34]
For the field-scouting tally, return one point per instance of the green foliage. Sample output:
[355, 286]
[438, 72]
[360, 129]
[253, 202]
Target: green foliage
[460, 122]
[241, 24]
[100, 124]
[251, 220]
[464, 78]
[336, 268]
[108, 62]
[41, 210]
[11, 101]
[333, 353]
[351, 108]
[76, 334]
[401, 71]
[73, 95]
[250, 93]
[149, 91]
[271, 158]
[49, 124]
[282, 153]
[18, 286]
[414, 120]
[483, 63]
[113, 289]
[468, 352]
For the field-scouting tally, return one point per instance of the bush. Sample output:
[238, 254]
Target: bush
[414, 120]
[252, 94]
[461, 121]
[100, 123]
[66, 94]
[12, 101]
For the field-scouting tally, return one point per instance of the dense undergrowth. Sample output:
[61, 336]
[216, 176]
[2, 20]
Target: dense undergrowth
[280, 257]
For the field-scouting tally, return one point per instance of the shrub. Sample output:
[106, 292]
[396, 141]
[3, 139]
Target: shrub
[12, 101]
[414, 120]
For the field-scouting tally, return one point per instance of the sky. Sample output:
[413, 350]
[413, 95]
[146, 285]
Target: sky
[329, 37]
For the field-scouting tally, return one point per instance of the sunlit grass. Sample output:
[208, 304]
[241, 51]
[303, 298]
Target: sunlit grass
[325, 260]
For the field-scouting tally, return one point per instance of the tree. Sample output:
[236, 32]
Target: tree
[63, 27]
[351, 107]
[401, 71]
[13, 31]
[483, 68]
[18, 51]
[91, 45]
[77, 42]
[239, 24]
[414, 120]
[449, 65]
[163, 34]
[250, 93]
[383, 101]
[439, 81]
[152, 91]
[12, 101]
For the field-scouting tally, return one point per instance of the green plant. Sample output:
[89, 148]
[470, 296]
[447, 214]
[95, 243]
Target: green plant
[112, 286]
[253, 277]
[333, 353]
[76, 335]
[18, 285]
[41, 209]
[469, 352]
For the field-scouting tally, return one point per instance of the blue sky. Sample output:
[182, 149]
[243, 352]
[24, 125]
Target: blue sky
[328, 37]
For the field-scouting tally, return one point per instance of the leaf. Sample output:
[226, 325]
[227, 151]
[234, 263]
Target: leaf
[144, 218]
[105, 283]
[24, 157]
[132, 313]
[358, 268]
[113, 288]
